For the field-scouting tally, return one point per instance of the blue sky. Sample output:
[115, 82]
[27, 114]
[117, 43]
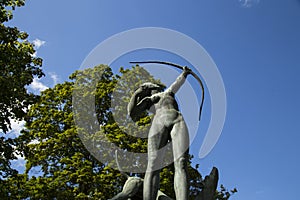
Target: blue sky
[255, 45]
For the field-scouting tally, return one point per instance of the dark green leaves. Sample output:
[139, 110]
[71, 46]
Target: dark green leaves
[18, 68]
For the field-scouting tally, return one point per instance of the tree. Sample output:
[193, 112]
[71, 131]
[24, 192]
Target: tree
[18, 67]
[224, 194]
[67, 169]
[51, 141]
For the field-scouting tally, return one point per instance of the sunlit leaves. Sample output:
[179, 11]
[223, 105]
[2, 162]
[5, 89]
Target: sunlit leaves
[18, 68]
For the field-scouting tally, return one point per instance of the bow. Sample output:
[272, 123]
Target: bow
[179, 67]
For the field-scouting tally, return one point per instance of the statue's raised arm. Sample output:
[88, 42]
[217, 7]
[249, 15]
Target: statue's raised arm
[181, 80]
[175, 86]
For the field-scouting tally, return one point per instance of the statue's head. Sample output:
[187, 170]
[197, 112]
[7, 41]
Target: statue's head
[147, 89]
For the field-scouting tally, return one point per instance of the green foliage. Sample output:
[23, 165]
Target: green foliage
[6, 7]
[224, 194]
[18, 67]
[51, 142]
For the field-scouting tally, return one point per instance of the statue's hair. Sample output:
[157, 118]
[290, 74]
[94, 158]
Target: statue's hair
[151, 86]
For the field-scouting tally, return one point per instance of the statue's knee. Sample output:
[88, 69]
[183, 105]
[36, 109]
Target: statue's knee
[154, 163]
[181, 163]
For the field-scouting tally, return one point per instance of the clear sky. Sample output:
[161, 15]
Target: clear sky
[254, 43]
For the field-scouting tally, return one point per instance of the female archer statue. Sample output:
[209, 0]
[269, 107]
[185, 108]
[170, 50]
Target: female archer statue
[168, 124]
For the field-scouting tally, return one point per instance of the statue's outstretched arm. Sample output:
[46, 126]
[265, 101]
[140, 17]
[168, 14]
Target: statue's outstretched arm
[174, 87]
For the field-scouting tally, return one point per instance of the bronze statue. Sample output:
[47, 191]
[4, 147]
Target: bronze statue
[168, 123]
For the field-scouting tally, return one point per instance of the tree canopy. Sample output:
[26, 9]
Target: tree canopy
[18, 68]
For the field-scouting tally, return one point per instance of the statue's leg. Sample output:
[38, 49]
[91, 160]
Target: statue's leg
[158, 137]
[180, 143]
